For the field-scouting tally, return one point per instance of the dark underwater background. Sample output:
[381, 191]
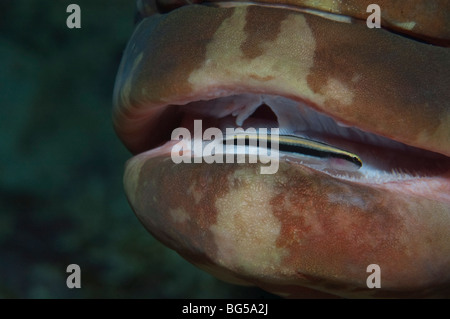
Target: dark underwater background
[61, 195]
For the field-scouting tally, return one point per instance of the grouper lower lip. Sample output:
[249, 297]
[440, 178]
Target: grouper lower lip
[300, 230]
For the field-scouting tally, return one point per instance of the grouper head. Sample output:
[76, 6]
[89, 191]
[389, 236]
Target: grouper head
[315, 70]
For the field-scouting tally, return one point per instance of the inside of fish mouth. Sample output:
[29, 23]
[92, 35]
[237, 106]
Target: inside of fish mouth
[383, 159]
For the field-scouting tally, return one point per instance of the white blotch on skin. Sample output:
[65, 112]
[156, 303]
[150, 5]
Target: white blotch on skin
[338, 91]
[192, 190]
[226, 64]
[349, 199]
[406, 25]
[179, 215]
[246, 231]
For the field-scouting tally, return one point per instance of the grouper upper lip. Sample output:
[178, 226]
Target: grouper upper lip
[405, 104]
[376, 81]
[394, 87]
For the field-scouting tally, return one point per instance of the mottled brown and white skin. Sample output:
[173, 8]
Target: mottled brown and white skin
[383, 94]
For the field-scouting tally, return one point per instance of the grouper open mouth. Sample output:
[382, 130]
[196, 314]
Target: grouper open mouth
[309, 229]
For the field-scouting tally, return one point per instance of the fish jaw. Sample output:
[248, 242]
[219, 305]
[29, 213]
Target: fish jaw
[293, 230]
[299, 228]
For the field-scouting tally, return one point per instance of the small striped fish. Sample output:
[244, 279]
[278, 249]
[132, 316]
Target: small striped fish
[296, 145]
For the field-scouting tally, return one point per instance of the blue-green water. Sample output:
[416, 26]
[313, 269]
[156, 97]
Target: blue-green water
[61, 195]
